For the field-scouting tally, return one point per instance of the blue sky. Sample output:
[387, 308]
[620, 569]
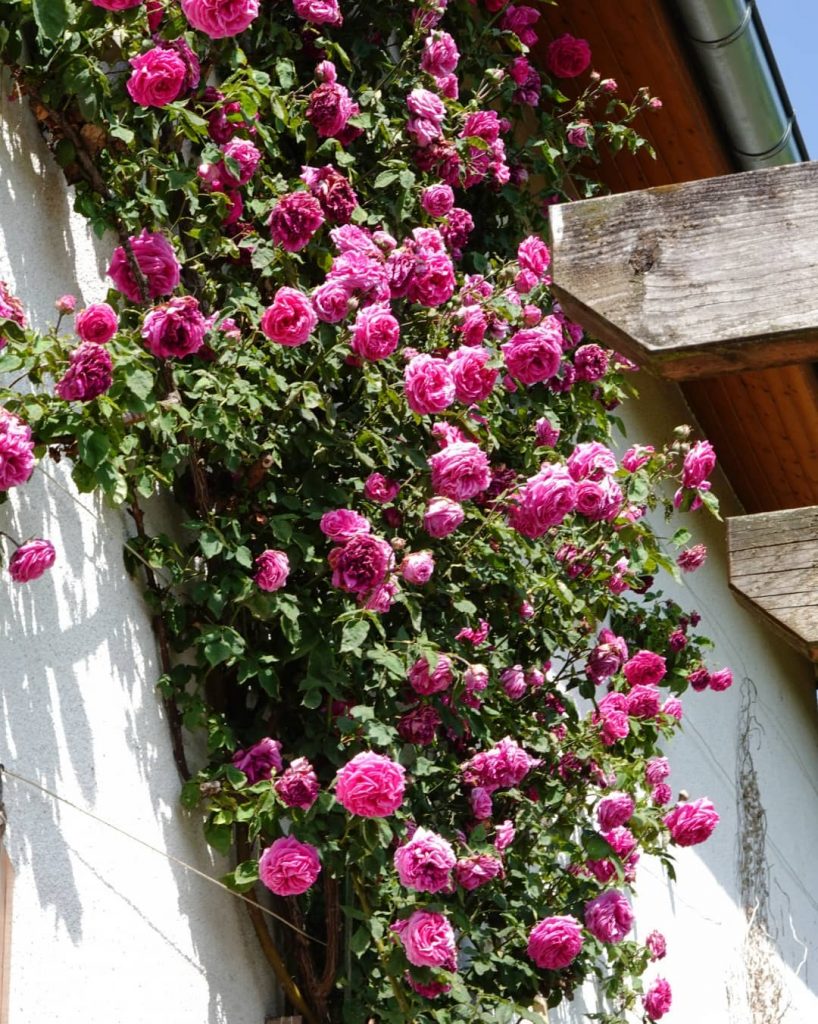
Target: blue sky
[792, 26]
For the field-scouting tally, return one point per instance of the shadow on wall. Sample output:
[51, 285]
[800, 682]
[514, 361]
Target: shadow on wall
[78, 669]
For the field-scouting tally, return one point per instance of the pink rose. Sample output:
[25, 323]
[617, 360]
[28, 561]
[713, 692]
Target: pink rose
[330, 301]
[533, 355]
[157, 77]
[295, 219]
[343, 524]
[10, 309]
[259, 761]
[612, 718]
[609, 916]
[460, 471]
[428, 384]
[380, 488]
[657, 770]
[519, 20]
[591, 362]
[656, 945]
[721, 680]
[698, 464]
[65, 304]
[419, 726]
[31, 560]
[599, 501]
[89, 374]
[174, 329]
[657, 999]
[481, 806]
[332, 190]
[437, 200]
[567, 56]
[375, 333]
[643, 701]
[636, 457]
[645, 668]
[329, 109]
[425, 862]
[591, 461]
[577, 135]
[417, 567]
[547, 433]
[693, 558]
[156, 260]
[504, 834]
[440, 54]
[543, 501]
[220, 18]
[319, 12]
[425, 682]
[298, 786]
[116, 5]
[555, 942]
[503, 766]
[246, 156]
[472, 872]
[290, 319]
[442, 517]
[289, 867]
[533, 254]
[427, 989]
[672, 708]
[692, 823]
[16, 451]
[370, 785]
[514, 683]
[362, 564]
[615, 809]
[428, 939]
[97, 323]
[273, 569]
[473, 380]
[661, 794]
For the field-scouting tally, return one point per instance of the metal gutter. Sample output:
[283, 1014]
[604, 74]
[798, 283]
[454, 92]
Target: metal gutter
[735, 59]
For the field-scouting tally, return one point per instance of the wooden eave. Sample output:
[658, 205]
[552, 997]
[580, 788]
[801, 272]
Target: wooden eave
[763, 423]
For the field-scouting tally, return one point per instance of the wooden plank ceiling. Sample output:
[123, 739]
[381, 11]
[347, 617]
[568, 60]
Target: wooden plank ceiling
[763, 423]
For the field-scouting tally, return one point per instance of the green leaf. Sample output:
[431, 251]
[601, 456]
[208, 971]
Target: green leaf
[385, 178]
[52, 17]
[220, 644]
[354, 633]
[94, 445]
[219, 836]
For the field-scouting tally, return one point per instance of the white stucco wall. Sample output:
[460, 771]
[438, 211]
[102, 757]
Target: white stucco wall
[104, 931]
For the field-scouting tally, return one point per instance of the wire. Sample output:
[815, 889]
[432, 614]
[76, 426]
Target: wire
[154, 849]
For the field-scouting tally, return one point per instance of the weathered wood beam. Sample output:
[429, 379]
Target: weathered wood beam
[774, 571]
[697, 279]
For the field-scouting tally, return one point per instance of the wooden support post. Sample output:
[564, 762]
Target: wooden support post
[697, 279]
[774, 571]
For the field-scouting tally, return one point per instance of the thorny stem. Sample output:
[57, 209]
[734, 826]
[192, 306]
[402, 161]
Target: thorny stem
[400, 995]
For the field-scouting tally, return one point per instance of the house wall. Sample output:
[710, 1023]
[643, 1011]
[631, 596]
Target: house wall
[754, 751]
[104, 930]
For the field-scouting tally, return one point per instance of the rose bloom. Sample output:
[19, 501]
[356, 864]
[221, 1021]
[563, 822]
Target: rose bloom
[591, 460]
[473, 380]
[274, 567]
[437, 200]
[375, 333]
[460, 471]
[370, 785]
[567, 56]
[157, 77]
[513, 680]
[31, 560]
[116, 5]
[16, 451]
[298, 786]
[342, 524]
[645, 668]
[643, 701]
[174, 329]
[417, 567]
[419, 726]
[442, 517]
[289, 867]
[692, 823]
[425, 682]
[10, 309]
[428, 384]
[319, 12]
[661, 794]
[220, 18]
[657, 999]
[698, 464]
[332, 190]
[425, 862]
[65, 304]
[504, 834]
[503, 766]
[636, 457]
[657, 770]
[97, 322]
[259, 761]
[156, 260]
[472, 872]
[330, 301]
[609, 916]
[612, 718]
[721, 680]
[543, 501]
[656, 945]
[380, 488]
[295, 219]
[89, 374]
[693, 558]
[362, 564]
[440, 55]
[615, 809]
[427, 989]
[590, 362]
[534, 354]
[428, 939]
[481, 806]
[555, 942]
[329, 108]
[547, 433]
[533, 255]
[290, 319]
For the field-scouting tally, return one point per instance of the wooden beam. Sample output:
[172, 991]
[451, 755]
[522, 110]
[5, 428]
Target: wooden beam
[774, 571]
[697, 279]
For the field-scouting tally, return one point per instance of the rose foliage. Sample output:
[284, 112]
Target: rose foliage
[410, 597]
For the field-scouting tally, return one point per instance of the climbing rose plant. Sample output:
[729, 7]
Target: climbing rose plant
[410, 597]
